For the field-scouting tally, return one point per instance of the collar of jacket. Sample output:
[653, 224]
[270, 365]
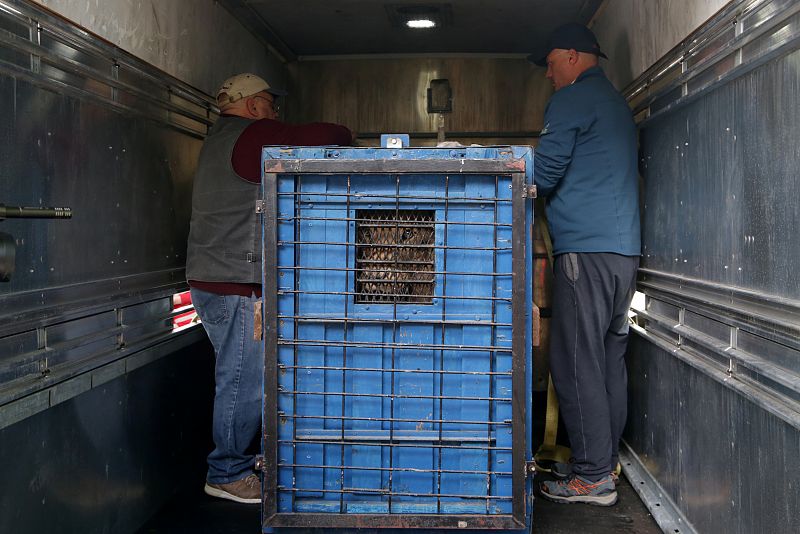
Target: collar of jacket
[591, 71]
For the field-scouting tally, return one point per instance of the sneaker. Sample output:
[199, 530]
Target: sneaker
[246, 490]
[563, 470]
[575, 489]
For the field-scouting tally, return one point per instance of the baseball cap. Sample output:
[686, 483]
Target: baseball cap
[243, 85]
[571, 36]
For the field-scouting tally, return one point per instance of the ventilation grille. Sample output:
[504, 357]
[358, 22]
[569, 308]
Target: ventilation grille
[395, 256]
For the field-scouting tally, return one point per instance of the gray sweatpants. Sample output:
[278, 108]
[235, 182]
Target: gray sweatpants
[591, 296]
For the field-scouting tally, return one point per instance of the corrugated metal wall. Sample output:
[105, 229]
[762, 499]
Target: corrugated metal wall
[714, 422]
[88, 356]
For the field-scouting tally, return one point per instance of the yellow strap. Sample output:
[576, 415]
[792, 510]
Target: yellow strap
[549, 452]
[551, 420]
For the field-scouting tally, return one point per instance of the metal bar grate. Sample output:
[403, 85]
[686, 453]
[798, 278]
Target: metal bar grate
[384, 239]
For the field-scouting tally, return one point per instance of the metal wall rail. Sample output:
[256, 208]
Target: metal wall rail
[59, 350]
[39, 308]
[60, 384]
[738, 331]
[48, 51]
[769, 316]
[741, 37]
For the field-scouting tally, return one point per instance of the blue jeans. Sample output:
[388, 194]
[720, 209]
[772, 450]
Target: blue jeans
[239, 378]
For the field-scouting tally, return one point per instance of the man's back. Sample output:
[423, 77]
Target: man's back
[586, 167]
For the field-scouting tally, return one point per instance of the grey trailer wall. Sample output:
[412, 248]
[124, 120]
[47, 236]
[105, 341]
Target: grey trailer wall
[496, 100]
[196, 41]
[100, 397]
[714, 364]
[635, 34]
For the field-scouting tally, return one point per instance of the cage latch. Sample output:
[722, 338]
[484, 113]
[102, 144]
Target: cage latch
[259, 463]
[530, 468]
[260, 206]
[529, 191]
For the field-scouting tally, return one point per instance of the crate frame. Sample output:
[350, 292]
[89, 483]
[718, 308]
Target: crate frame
[513, 164]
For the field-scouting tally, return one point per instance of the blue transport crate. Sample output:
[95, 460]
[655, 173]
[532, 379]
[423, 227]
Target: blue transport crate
[397, 305]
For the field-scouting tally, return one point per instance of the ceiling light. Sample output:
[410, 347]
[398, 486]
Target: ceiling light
[420, 23]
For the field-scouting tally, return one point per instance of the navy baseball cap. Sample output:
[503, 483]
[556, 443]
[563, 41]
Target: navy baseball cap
[571, 36]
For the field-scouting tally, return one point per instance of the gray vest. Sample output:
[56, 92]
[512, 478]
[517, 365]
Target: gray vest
[225, 233]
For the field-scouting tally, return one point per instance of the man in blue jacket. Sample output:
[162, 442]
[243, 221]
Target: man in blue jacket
[586, 167]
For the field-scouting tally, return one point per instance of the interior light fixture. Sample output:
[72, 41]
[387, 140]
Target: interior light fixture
[420, 23]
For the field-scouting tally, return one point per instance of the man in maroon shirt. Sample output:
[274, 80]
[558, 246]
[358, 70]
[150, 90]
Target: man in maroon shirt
[223, 266]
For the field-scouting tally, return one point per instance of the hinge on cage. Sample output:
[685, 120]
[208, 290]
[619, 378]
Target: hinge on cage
[260, 206]
[529, 191]
[259, 463]
[530, 468]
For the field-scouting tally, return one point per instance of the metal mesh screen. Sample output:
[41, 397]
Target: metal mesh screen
[395, 256]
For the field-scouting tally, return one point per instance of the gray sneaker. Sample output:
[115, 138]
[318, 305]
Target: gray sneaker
[575, 489]
[246, 490]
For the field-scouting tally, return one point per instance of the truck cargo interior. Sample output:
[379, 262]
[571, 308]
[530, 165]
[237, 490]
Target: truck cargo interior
[107, 376]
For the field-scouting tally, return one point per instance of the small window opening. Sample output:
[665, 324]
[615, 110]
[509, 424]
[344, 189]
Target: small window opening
[395, 256]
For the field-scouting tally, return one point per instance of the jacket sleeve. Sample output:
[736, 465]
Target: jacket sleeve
[556, 145]
[317, 134]
[246, 155]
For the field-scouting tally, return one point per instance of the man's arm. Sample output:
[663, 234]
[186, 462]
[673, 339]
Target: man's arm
[556, 144]
[246, 156]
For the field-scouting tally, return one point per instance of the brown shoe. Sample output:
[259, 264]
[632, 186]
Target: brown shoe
[246, 490]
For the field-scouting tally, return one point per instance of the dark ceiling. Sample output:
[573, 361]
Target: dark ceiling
[297, 28]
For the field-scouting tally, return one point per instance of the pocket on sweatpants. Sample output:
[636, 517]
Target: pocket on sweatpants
[211, 307]
[570, 266]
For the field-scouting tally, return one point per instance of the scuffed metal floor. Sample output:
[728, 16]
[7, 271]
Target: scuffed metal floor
[194, 512]
[629, 515]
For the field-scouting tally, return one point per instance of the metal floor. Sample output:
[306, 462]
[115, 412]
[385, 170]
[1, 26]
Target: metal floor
[196, 513]
[192, 511]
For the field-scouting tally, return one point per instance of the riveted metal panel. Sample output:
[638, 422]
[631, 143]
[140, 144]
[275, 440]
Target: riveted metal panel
[715, 388]
[709, 446]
